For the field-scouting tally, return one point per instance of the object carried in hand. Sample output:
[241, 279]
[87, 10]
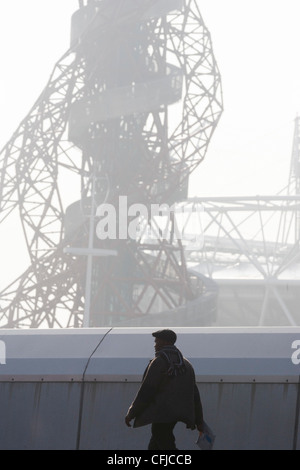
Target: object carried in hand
[206, 441]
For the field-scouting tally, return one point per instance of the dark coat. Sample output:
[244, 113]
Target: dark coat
[165, 399]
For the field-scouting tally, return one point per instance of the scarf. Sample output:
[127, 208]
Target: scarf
[175, 361]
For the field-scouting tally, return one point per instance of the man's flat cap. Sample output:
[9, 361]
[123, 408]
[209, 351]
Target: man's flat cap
[166, 335]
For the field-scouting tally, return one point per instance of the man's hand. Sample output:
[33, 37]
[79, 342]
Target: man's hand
[127, 421]
[200, 429]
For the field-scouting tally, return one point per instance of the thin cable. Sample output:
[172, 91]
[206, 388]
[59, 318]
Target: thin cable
[82, 391]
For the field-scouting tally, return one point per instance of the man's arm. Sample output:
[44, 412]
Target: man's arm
[152, 379]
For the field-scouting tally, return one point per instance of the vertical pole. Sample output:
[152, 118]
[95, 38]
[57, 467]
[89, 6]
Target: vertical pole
[294, 179]
[297, 173]
[89, 267]
[264, 306]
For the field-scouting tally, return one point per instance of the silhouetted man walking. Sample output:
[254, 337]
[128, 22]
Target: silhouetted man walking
[168, 394]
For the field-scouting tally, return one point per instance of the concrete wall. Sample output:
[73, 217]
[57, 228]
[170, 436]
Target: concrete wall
[70, 389]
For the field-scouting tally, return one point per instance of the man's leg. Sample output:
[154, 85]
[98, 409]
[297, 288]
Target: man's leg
[162, 437]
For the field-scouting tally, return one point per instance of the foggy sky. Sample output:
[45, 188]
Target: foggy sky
[256, 45]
